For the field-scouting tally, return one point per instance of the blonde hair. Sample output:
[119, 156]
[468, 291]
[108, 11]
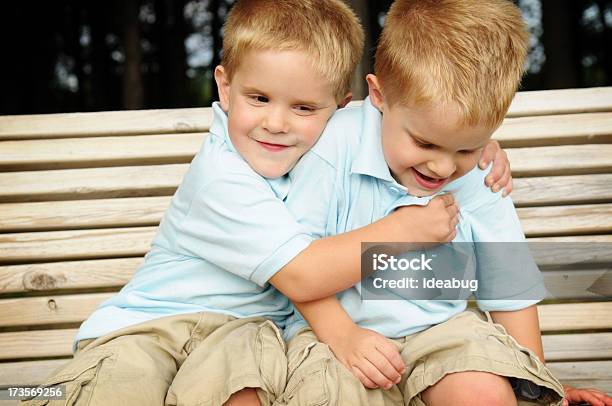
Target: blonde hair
[327, 30]
[467, 52]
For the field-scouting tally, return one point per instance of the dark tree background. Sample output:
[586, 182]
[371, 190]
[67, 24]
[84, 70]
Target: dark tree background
[92, 55]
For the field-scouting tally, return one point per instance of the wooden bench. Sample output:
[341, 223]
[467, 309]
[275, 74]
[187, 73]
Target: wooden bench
[81, 196]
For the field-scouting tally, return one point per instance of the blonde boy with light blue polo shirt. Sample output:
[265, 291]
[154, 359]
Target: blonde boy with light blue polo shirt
[446, 72]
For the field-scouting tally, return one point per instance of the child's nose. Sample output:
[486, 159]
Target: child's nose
[443, 166]
[275, 121]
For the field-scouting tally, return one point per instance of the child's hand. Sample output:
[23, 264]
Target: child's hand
[500, 176]
[594, 397]
[435, 222]
[371, 357]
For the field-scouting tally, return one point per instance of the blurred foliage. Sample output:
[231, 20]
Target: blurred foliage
[70, 55]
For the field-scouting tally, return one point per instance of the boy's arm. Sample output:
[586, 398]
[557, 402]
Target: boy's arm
[524, 326]
[306, 277]
[371, 357]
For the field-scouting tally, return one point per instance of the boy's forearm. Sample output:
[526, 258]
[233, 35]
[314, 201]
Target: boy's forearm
[327, 318]
[332, 264]
[524, 326]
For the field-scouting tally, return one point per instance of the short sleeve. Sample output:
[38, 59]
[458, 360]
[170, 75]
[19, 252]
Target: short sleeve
[509, 278]
[236, 222]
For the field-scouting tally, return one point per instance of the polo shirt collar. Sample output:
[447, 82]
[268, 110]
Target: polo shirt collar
[370, 159]
[280, 186]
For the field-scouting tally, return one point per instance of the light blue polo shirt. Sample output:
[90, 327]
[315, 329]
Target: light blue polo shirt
[226, 233]
[347, 170]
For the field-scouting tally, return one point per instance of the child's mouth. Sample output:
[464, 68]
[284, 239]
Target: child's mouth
[428, 182]
[272, 147]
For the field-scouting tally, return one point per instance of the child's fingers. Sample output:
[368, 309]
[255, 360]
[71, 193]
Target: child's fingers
[365, 381]
[384, 366]
[502, 181]
[508, 188]
[447, 198]
[391, 353]
[370, 371]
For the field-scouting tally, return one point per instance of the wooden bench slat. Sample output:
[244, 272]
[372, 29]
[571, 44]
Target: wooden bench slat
[57, 309]
[63, 215]
[106, 123]
[101, 273]
[555, 220]
[36, 344]
[113, 273]
[77, 244]
[157, 179]
[580, 374]
[34, 311]
[577, 346]
[172, 148]
[58, 343]
[532, 131]
[575, 316]
[560, 160]
[560, 190]
[561, 101]
[99, 151]
[70, 184]
[578, 284]
[122, 212]
[135, 241]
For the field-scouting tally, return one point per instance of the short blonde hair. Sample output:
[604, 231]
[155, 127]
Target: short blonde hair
[327, 30]
[468, 52]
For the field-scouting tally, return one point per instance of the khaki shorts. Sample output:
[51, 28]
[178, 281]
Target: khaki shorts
[466, 342]
[190, 359]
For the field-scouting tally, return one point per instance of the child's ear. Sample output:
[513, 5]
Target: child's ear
[223, 86]
[347, 98]
[375, 92]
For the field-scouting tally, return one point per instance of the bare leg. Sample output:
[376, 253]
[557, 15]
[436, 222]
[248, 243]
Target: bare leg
[470, 388]
[244, 397]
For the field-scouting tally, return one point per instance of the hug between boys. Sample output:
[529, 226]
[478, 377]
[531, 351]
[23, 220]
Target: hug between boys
[250, 294]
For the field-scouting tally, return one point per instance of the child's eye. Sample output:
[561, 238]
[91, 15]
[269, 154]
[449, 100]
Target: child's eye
[258, 98]
[467, 151]
[304, 109]
[423, 144]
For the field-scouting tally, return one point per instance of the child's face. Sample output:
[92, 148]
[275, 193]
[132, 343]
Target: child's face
[426, 148]
[277, 108]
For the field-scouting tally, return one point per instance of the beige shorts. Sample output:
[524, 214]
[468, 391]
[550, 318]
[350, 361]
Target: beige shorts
[190, 359]
[466, 342]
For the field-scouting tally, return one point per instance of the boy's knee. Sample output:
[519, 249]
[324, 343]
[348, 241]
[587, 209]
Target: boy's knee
[470, 388]
[244, 397]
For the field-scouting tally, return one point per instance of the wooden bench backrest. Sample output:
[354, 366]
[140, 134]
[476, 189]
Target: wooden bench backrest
[81, 196]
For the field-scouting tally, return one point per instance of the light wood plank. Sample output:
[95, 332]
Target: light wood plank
[559, 190]
[592, 128]
[106, 123]
[577, 254]
[73, 245]
[560, 160]
[47, 310]
[37, 343]
[583, 284]
[589, 374]
[28, 373]
[72, 214]
[99, 151]
[123, 212]
[103, 273]
[70, 184]
[559, 220]
[561, 101]
[575, 316]
[568, 347]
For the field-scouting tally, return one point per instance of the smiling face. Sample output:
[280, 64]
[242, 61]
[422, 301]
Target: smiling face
[427, 147]
[277, 107]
